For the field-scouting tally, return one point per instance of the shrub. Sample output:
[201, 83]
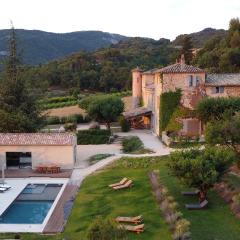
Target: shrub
[105, 230]
[93, 136]
[125, 125]
[132, 144]
[70, 127]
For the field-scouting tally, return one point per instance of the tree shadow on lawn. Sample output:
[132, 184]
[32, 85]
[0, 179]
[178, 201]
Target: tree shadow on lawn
[215, 222]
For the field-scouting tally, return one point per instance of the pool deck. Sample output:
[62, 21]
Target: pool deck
[25, 173]
[18, 184]
[56, 221]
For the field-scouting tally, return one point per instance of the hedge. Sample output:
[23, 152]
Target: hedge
[76, 118]
[93, 136]
[169, 101]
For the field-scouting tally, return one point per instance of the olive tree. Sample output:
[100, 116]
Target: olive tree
[105, 109]
[200, 169]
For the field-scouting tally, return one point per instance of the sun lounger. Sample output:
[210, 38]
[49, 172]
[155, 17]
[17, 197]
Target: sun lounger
[197, 206]
[126, 185]
[191, 193]
[135, 220]
[3, 189]
[123, 181]
[137, 229]
[5, 186]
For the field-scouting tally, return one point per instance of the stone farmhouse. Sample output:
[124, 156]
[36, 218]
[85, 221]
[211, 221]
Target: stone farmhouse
[195, 84]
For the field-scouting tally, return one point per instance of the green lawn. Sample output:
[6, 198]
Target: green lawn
[215, 223]
[96, 199]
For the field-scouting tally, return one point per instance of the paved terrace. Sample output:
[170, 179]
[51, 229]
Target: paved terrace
[26, 173]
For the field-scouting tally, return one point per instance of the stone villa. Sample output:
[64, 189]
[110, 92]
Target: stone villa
[195, 83]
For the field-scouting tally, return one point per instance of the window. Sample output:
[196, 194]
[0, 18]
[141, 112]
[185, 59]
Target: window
[197, 83]
[219, 89]
[190, 80]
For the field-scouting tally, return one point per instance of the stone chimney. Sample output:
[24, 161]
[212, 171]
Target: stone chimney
[182, 61]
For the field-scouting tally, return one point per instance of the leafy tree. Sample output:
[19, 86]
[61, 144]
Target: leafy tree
[187, 49]
[235, 40]
[106, 109]
[18, 108]
[200, 169]
[211, 109]
[225, 132]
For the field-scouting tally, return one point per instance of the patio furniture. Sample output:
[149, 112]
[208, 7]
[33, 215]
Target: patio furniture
[137, 229]
[55, 169]
[5, 186]
[202, 205]
[126, 185]
[123, 181]
[2, 190]
[191, 193]
[135, 220]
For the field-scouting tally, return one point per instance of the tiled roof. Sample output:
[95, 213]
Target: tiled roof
[180, 68]
[137, 112]
[15, 139]
[151, 71]
[231, 79]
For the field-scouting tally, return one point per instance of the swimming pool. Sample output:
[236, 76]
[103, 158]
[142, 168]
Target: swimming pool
[32, 204]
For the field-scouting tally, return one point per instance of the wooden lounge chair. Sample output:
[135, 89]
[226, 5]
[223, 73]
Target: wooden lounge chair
[135, 220]
[123, 181]
[126, 185]
[137, 229]
[197, 206]
[191, 193]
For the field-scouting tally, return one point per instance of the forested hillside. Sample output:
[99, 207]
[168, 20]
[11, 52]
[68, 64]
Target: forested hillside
[200, 38]
[107, 69]
[222, 54]
[41, 47]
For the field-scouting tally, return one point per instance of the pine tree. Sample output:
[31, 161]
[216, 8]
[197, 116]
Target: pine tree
[19, 111]
[187, 49]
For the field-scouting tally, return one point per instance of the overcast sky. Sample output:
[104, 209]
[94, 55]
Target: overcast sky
[145, 18]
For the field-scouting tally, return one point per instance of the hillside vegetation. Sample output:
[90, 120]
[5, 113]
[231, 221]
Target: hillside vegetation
[222, 54]
[41, 47]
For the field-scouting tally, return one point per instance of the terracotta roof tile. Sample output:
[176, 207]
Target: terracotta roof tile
[36, 139]
[180, 68]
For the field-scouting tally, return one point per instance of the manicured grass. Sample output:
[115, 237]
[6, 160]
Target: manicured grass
[97, 199]
[216, 222]
[96, 158]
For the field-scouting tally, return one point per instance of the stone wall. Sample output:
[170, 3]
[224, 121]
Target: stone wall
[229, 91]
[174, 81]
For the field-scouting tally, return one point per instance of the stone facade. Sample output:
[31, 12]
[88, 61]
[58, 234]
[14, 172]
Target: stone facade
[193, 82]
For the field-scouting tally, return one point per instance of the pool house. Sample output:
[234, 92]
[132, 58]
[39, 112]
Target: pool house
[31, 150]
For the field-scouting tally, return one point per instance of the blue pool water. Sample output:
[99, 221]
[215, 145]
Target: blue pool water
[32, 204]
[26, 212]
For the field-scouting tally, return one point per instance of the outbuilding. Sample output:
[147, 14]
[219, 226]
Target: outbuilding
[30, 150]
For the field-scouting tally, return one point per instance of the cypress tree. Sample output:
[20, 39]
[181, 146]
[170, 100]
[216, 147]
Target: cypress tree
[19, 111]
